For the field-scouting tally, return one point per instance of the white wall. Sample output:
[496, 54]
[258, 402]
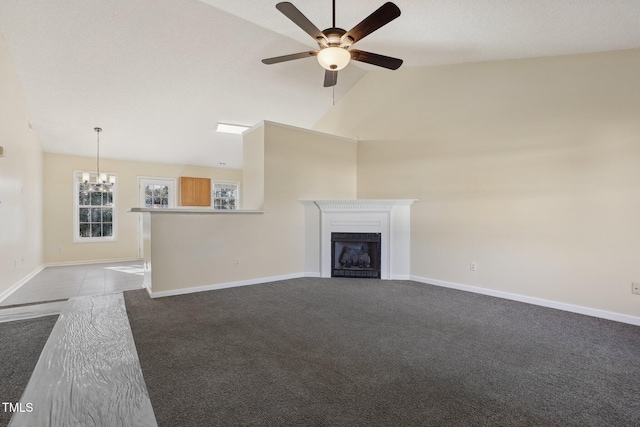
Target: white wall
[20, 183]
[527, 167]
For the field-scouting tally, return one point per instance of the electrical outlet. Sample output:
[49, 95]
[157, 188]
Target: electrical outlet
[59, 248]
[635, 288]
[237, 262]
[473, 266]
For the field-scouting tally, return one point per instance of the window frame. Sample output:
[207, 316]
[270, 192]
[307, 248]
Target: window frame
[170, 183]
[213, 192]
[77, 180]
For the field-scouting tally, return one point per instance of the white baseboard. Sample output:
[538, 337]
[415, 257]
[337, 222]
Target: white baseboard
[4, 295]
[603, 314]
[593, 312]
[148, 289]
[87, 262]
[217, 286]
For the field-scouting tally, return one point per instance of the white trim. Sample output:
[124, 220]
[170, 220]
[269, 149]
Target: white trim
[91, 261]
[7, 293]
[77, 177]
[146, 288]
[173, 192]
[217, 286]
[382, 205]
[388, 217]
[593, 312]
[238, 199]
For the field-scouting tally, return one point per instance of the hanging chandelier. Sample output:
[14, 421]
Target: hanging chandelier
[98, 181]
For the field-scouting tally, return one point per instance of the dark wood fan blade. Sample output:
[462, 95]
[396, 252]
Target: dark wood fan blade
[291, 57]
[330, 78]
[376, 59]
[292, 12]
[385, 14]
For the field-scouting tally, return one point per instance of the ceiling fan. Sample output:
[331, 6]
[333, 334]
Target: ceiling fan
[334, 44]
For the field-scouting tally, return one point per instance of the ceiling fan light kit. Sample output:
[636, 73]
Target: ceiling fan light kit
[334, 43]
[333, 58]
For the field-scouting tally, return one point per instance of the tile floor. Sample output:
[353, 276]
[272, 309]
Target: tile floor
[54, 283]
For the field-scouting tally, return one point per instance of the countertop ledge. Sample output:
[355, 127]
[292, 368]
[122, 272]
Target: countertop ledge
[194, 210]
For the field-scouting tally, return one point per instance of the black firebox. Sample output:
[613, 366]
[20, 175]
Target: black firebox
[355, 255]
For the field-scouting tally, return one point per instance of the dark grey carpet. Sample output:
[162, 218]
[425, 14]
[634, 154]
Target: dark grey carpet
[370, 352]
[21, 343]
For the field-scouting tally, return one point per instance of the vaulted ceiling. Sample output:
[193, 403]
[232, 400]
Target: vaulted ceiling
[157, 75]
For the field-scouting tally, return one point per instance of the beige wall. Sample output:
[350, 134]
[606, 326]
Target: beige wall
[58, 204]
[20, 182]
[527, 167]
[253, 168]
[191, 250]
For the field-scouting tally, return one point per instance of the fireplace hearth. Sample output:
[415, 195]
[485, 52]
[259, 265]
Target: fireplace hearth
[355, 255]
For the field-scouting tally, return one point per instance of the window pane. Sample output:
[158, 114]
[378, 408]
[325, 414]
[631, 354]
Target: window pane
[225, 195]
[147, 190]
[85, 230]
[84, 214]
[148, 201]
[96, 215]
[96, 230]
[107, 229]
[157, 201]
[83, 198]
[107, 215]
[165, 191]
[96, 198]
[165, 202]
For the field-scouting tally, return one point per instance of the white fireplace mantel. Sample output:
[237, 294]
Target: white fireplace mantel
[391, 218]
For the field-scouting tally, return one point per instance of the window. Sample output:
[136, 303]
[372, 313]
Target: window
[94, 207]
[156, 196]
[157, 192]
[225, 194]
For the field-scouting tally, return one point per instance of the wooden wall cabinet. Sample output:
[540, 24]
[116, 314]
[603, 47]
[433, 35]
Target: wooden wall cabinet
[195, 191]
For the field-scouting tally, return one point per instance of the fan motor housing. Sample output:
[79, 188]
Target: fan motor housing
[335, 37]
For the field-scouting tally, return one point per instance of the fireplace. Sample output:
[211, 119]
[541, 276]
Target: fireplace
[388, 219]
[355, 255]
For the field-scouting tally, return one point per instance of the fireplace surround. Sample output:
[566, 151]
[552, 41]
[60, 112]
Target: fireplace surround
[390, 219]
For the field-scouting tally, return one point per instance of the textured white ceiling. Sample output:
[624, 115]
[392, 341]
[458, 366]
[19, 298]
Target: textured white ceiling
[434, 32]
[157, 75]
